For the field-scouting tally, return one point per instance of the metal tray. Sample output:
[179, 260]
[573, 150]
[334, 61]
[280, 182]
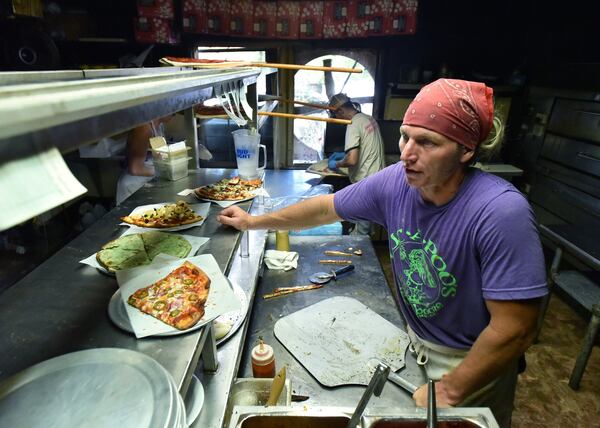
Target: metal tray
[102, 386]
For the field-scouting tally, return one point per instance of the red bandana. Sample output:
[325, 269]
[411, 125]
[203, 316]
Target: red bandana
[460, 110]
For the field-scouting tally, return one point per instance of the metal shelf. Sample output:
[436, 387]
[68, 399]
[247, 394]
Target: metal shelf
[67, 109]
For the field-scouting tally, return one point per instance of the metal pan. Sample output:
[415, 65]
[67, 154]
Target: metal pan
[325, 277]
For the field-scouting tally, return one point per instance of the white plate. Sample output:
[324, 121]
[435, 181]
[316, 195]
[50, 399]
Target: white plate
[109, 386]
[118, 315]
[236, 318]
[194, 400]
[200, 209]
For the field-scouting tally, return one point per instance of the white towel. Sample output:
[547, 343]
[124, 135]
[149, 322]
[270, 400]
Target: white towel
[281, 260]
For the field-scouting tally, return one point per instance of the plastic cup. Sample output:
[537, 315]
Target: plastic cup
[246, 153]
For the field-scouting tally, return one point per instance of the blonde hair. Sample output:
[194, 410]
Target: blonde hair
[492, 144]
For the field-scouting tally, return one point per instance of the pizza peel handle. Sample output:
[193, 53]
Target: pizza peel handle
[324, 277]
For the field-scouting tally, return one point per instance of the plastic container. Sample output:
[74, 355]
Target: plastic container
[263, 361]
[170, 156]
[171, 152]
[171, 170]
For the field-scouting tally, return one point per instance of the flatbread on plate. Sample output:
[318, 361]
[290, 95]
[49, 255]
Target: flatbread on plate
[140, 249]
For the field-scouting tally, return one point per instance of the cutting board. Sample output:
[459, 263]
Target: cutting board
[337, 340]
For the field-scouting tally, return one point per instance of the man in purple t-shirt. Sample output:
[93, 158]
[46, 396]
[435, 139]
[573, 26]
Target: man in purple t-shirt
[465, 250]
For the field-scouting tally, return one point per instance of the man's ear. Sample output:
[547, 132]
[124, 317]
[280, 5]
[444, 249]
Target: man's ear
[467, 155]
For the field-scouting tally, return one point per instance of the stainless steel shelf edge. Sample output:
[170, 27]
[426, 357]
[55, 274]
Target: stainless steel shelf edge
[32, 107]
[23, 77]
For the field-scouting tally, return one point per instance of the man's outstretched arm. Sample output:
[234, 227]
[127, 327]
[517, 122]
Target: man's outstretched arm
[309, 213]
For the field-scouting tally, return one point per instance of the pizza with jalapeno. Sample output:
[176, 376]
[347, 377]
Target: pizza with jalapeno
[230, 189]
[178, 299]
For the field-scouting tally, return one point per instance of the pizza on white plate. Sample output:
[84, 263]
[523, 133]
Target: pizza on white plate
[230, 189]
[169, 215]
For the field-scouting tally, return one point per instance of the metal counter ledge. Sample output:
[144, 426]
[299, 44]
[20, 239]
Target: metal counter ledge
[366, 283]
[61, 306]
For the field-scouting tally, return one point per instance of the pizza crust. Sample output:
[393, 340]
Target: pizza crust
[188, 320]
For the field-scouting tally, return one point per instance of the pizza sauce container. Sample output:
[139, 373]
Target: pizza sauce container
[263, 360]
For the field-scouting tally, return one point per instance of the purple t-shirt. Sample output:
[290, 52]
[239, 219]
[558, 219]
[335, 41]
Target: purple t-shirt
[446, 260]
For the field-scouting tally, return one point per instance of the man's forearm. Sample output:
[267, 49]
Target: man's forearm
[311, 212]
[489, 356]
[347, 162]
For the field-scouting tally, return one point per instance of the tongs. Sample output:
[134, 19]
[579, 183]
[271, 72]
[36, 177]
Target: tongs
[230, 101]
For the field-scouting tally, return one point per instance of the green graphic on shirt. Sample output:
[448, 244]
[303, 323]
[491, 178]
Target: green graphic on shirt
[421, 275]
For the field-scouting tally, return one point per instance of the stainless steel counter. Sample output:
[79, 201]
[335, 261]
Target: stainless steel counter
[366, 284]
[61, 306]
[245, 272]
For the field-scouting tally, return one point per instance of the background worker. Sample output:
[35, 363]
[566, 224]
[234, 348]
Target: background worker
[364, 153]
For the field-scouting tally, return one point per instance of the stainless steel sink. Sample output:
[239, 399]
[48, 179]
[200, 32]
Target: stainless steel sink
[456, 417]
[420, 423]
[296, 422]
[254, 392]
[334, 417]
[289, 417]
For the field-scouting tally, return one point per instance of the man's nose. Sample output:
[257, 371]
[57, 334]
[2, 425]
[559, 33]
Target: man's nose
[407, 151]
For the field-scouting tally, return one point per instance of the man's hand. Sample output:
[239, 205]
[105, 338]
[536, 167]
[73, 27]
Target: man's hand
[338, 156]
[235, 217]
[308, 213]
[441, 396]
[332, 164]
[510, 332]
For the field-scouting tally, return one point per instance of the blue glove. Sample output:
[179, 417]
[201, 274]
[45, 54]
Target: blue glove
[338, 156]
[332, 164]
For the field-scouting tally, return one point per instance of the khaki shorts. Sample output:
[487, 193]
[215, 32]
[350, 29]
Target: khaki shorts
[498, 395]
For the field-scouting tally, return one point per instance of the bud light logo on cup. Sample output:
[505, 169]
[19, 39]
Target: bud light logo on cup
[243, 153]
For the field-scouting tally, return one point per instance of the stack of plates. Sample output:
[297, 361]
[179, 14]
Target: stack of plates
[104, 387]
